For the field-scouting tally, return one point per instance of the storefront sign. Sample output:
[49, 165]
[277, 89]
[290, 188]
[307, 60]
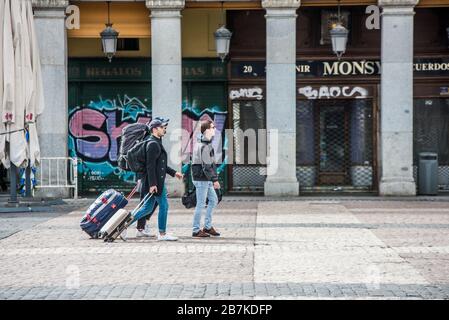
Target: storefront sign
[310, 69]
[337, 68]
[332, 68]
[326, 92]
[98, 69]
[345, 68]
[110, 72]
[246, 93]
[139, 69]
[204, 70]
[431, 67]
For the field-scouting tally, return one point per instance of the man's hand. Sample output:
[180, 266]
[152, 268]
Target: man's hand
[153, 189]
[179, 175]
[216, 185]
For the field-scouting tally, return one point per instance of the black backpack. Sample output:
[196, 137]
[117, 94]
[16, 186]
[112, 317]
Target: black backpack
[136, 156]
[189, 198]
[131, 155]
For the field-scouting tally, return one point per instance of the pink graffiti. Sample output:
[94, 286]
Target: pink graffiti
[97, 134]
[92, 144]
[101, 142]
[189, 125]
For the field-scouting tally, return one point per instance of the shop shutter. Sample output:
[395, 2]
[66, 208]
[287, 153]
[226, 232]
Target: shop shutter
[96, 118]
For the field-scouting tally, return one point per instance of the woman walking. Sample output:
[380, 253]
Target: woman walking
[205, 179]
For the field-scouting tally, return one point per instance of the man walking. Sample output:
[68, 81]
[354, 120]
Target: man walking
[153, 181]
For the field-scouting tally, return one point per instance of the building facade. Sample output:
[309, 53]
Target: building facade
[356, 124]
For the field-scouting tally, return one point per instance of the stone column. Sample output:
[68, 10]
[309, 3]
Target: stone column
[281, 94]
[166, 60]
[396, 136]
[49, 17]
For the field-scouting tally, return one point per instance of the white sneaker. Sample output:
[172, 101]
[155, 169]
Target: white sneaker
[144, 233]
[166, 237]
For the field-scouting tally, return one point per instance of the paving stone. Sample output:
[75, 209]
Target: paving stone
[292, 249]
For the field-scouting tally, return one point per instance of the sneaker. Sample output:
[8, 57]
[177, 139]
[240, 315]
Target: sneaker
[143, 233]
[212, 232]
[166, 237]
[200, 234]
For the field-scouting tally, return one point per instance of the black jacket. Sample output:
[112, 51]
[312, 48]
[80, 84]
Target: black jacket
[204, 167]
[156, 166]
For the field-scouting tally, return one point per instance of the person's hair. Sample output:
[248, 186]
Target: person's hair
[205, 124]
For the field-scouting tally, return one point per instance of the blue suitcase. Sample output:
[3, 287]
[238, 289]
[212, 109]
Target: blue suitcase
[98, 214]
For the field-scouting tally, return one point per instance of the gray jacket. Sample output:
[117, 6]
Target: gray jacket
[204, 167]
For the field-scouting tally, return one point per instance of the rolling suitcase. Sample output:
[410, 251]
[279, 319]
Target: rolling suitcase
[104, 207]
[121, 220]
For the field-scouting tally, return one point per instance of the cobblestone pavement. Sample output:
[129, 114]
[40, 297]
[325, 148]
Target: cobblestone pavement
[313, 249]
[13, 222]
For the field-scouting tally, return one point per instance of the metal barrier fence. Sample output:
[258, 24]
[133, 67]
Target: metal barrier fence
[59, 172]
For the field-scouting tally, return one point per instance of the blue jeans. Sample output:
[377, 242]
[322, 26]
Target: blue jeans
[204, 190]
[163, 209]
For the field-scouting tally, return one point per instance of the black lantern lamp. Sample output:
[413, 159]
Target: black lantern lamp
[109, 38]
[222, 40]
[339, 36]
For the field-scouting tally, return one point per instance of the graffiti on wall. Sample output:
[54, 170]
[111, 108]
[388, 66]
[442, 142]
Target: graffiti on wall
[325, 92]
[94, 136]
[249, 93]
[95, 129]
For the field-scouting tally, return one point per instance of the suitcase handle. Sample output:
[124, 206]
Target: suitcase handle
[145, 199]
[133, 191]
